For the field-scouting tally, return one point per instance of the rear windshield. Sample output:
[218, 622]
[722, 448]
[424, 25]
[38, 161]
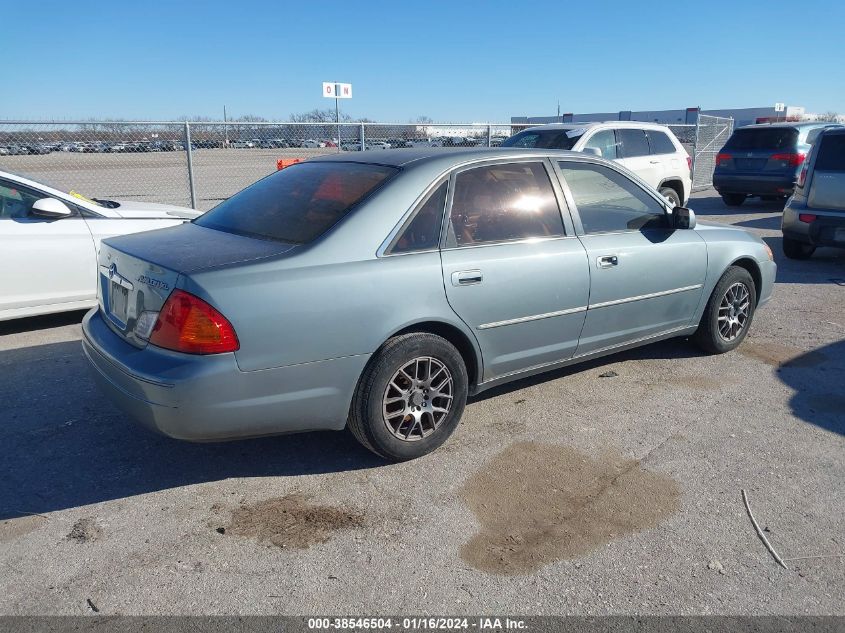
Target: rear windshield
[545, 139]
[299, 203]
[831, 155]
[773, 138]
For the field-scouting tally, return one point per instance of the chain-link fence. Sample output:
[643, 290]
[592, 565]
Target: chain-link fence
[711, 134]
[199, 164]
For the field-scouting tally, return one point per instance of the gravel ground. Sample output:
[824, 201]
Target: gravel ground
[155, 176]
[569, 493]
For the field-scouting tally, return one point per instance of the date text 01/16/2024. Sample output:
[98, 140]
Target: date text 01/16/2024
[416, 623]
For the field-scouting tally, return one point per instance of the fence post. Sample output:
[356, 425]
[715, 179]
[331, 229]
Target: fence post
[363, 147]
[190, 165]
[695, 148]
[489, 135]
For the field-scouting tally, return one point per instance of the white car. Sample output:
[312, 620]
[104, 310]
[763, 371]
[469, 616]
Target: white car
[649, 150]
[49, 242]
[378, 145]
[312, 144]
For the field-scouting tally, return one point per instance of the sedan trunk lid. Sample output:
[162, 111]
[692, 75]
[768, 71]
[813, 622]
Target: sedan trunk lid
[138, 272]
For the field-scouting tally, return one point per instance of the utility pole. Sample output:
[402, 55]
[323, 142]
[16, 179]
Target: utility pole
[225, 129]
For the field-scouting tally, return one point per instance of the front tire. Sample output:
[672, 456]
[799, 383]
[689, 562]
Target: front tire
[410, 397]
[733, 199]
[729, 312]
[794, 249]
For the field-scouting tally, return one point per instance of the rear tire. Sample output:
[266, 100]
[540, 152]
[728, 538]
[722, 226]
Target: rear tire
[410, 398]
[733, 199]
[671, 195]
[729, 312]
[794, 249]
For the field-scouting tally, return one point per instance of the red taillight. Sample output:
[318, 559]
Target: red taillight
[722, 159]
[807, 217]
[188, 324]
[689, 163]
[793, 160]
[802, 177]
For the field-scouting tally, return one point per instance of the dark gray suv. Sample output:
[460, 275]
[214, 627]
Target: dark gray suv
[763, 160]
[815, 214]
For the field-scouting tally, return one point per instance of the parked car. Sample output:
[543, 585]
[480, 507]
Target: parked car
[815, 214]
[241, 144]
[351, 146]
[374, 145]
[649, 150]
[311, 144]
[327, 294]
[49, 241]
[763, 160]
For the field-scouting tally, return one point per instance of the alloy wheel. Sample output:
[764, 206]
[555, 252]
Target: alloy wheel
[734, 310]
[418, 398]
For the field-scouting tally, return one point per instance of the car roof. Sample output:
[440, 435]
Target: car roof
[589, 124]
[404, 158]
[785, 124]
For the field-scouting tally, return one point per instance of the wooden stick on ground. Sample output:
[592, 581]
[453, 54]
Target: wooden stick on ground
[760, 532]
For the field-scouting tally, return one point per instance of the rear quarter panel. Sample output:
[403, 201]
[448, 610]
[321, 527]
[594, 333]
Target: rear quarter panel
[296, 310]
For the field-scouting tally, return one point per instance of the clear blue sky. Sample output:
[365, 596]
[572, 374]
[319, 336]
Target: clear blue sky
[452, 61]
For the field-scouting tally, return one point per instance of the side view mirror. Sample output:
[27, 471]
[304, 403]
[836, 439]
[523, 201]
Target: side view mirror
[592, 151]
[683, 218]
[51, 208]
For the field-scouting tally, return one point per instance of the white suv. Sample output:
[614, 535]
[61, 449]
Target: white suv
[649, 150]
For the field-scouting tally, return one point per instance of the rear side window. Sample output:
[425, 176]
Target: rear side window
[423, 231]
[660, 143]
[605, 142]
[831, 156]
[499, 203]
[297, 204]
[773, 138]
[634, 142]
[545, 139]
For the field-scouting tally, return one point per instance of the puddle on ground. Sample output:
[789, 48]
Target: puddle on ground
[291, 521]
[10, 529]
[538, 503]
[779, 355]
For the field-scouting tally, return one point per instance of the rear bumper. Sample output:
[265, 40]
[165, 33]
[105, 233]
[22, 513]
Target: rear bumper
[828, 228]
[754, 184]
[208, 398]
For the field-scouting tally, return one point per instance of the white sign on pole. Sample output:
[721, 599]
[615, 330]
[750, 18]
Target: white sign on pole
[780, 107]
[337, 91]
[344, 91]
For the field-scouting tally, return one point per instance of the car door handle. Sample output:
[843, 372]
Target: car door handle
[654, 162]
[606, 261]
[466, 277]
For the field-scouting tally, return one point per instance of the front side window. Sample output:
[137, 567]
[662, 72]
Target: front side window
[605, 142]
[16, 201]
[299, 203]
[634, 142]
[499, 203]
[608, 201]
[660, 143]
[423, 231]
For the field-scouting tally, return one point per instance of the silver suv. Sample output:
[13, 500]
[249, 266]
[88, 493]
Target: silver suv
[649, 150]
[815, 214]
